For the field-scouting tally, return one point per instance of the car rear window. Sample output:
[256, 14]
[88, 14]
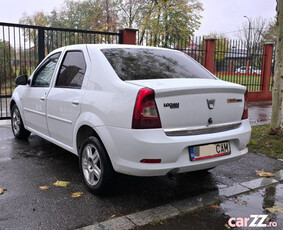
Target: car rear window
[142, 64]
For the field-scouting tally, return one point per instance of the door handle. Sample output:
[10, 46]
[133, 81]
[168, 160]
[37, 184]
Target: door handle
[42, 98]
[75, 102]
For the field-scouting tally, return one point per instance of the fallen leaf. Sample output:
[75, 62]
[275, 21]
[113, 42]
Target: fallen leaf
[275, 209]
[214, 206]
[241, 202]
[44, 187]
[267, 219]
[60, 183]
[113, 216]
[262, 173]
[77, 194]
[253, 142]
[227, 226]
[268, 144]
[1, 191]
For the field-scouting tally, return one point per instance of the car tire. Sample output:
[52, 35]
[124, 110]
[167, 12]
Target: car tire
[95, 166]
[17, 124]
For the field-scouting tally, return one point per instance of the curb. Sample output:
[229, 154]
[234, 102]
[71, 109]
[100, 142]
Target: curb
[178, 207]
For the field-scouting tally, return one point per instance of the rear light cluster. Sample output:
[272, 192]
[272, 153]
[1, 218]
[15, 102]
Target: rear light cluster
[245, 112]
[146, 115]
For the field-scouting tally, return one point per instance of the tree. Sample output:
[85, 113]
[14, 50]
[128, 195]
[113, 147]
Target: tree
[7, 74]
[131, 10]
[169, 23]
[86, 15]
[37, 19]
[165, 23]
[252, 31]
[270, 35]
[276, 118]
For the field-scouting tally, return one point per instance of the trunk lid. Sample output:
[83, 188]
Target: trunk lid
[196, 103]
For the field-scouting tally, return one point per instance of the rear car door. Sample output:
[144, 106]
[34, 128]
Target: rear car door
[34, 96]
[64, 99]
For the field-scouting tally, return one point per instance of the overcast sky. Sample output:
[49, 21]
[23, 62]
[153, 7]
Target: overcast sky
[219, 16]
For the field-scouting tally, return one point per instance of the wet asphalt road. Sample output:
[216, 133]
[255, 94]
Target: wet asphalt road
[26, 165]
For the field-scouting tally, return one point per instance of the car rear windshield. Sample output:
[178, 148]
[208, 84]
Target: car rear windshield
[142, 64]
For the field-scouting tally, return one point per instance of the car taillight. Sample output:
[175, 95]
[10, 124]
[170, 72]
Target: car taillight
[145, 112]
[245, 112]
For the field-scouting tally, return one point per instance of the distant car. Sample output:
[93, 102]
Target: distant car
[252, 70]
[140, 111]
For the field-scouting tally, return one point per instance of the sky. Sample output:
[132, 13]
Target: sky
[226, 16]
[219, 16]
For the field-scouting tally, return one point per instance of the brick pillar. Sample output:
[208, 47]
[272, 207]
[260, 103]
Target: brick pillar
[266, 66]
[128, 36]
[208, 59]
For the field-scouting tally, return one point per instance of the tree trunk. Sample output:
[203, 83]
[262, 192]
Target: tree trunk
[276, 118]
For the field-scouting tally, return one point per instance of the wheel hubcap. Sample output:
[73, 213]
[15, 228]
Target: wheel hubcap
[16, 121]
[91, 164]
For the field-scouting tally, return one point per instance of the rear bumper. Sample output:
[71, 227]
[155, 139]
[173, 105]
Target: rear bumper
[127, 147]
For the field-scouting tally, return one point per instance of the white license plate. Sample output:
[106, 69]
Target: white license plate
[209, 151]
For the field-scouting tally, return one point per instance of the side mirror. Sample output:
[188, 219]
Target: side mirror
[22, 80]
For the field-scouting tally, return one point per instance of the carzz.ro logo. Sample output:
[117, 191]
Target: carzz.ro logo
[252, 221]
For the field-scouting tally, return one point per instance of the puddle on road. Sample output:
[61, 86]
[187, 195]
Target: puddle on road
[259, 114]
[217, 216]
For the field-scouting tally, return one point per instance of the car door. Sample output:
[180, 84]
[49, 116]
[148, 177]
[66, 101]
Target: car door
[64, 99]
[34, 96]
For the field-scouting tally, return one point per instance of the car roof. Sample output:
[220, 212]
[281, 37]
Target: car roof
[111, 46]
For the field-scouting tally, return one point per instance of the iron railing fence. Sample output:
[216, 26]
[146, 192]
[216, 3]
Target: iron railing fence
[22, 47]
[239, 62]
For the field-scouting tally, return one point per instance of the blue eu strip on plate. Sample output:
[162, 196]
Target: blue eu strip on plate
[192, 152]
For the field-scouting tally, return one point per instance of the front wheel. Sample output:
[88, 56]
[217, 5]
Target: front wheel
[95, 166]
[18, 128]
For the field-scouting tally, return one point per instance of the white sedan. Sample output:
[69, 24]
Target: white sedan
[140, 111]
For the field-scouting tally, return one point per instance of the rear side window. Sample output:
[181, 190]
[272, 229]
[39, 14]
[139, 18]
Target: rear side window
[142, 64]
[72, 70]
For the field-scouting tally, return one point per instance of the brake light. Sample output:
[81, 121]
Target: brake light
[245, 112]
[146, 115]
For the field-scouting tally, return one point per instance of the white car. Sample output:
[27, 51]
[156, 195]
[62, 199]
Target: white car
[140, 111]
[252, 70]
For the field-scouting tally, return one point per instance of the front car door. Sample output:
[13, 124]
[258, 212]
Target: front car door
[34, 96]
[64, 99]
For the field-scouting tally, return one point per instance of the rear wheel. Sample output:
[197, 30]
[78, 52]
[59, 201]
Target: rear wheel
[18, 128]
[95, 166]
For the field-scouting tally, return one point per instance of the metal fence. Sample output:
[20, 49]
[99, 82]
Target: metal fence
[22, 47]
[240, 63]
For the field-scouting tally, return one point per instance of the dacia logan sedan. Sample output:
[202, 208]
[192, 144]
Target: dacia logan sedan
[141, 111]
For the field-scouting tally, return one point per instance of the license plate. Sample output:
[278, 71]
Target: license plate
[208, 151]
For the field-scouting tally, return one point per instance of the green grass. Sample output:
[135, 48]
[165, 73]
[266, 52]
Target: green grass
[252, 82]
[262, 142]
